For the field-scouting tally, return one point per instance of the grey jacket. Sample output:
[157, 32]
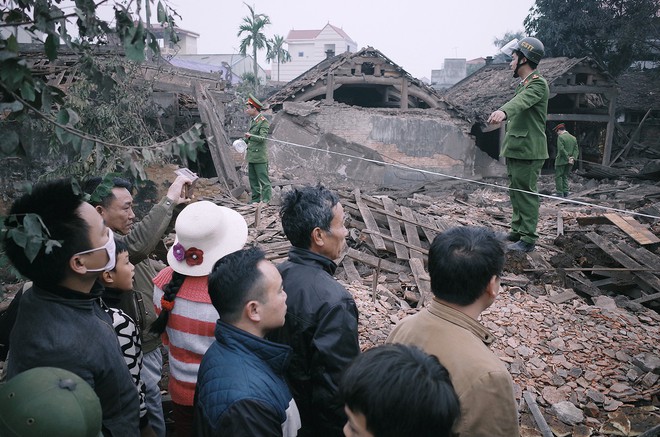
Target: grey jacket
[68, 329]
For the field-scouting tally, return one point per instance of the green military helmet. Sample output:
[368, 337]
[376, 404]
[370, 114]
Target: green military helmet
[47, 401]
[531, 48]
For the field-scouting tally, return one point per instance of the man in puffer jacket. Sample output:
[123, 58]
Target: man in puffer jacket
[240, 386]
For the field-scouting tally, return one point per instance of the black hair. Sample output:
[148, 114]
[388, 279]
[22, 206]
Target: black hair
[532, 65]
[462, 261]
[56, 203]
[305, 209]
[234, 281]
[169, 294]
[92, 183]
[120, 247]
[401, 391]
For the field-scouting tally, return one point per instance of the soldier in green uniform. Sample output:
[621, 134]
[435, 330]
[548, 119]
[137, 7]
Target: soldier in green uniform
[257, 153]
[567, 153]
[525, 143]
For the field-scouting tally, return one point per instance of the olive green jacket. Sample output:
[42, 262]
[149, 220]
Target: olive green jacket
[526, 115]
[257, 152]
[567, 146]
[141, 241]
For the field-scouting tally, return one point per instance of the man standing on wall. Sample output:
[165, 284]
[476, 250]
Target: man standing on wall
[525, 144]
[257, 153]
[567, 153]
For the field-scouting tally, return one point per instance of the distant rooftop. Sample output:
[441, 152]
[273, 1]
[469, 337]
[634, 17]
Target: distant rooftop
[311, 34]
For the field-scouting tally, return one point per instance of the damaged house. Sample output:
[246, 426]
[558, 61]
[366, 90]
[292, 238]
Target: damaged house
[582, 95]
[363, 105]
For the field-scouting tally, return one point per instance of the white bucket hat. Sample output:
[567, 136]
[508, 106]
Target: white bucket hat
[205, 232]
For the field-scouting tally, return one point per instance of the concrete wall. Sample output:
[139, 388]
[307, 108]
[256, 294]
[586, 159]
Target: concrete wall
[427, 140]
[453, 72]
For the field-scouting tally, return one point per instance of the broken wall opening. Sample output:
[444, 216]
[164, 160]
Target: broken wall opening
[488, 142]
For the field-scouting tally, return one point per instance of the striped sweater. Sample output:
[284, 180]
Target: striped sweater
[189, 332]
[131, 348]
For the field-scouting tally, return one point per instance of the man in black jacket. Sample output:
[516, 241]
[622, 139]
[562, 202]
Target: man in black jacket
[60, 322]
[321, 319]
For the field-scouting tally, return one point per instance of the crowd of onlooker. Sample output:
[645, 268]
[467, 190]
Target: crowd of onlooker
[255, 349]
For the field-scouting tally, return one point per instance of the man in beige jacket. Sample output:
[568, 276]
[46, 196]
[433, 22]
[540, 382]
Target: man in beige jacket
[465, 264]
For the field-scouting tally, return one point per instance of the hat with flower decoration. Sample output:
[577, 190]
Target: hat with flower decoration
[205, 232]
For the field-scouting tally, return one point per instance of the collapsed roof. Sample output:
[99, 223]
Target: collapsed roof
[366, 78]
[490, 87]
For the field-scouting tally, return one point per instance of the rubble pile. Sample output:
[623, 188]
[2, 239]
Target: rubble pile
[590, 367]
[576, 321]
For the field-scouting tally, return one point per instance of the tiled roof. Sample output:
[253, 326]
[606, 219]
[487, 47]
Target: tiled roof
[302, 34]
[493, 85]
[312, 34]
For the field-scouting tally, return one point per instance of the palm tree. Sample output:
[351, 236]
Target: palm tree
[253, 26]
[276, 51]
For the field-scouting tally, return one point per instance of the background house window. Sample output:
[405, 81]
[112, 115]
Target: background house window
[301, 54]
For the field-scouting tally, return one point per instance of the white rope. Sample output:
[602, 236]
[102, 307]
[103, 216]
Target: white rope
[458, 178]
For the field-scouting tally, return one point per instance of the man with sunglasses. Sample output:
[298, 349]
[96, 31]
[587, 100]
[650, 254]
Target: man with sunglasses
[60, 322]
[257, 153]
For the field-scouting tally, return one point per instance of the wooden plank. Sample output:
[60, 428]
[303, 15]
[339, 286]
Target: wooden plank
[592, 220]
[373, 262]
[632, 140]
[395, 229]
[422, 279]
[538, 416]
[560, 224]
[647, 298]
[633, 228]
[267, 221]
[581, 89]
[609, 248]
[641, 254]
[582, 284]
[351, 272]
[212, 114]
[370, 221]
[442, 224]
[427, 224]
[579, 117]
[401, 242]
[411, 232]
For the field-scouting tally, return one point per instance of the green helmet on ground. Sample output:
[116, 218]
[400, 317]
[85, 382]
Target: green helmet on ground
[531, 48]
[46, 401]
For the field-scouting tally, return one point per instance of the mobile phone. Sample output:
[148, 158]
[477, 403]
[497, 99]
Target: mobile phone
[187, 190]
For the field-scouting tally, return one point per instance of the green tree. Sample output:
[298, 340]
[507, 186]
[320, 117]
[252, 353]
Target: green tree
[253, 31]
[25, 96]
[278, 52]
[614, 32]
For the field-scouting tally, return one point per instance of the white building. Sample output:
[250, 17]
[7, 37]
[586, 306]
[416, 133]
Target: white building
[239, 64]
[309, 47]
[187, 44]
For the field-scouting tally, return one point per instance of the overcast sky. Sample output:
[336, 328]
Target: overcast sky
[415, 34]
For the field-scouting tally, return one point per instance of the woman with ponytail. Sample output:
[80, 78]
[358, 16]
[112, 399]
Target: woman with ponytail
[205, 232]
